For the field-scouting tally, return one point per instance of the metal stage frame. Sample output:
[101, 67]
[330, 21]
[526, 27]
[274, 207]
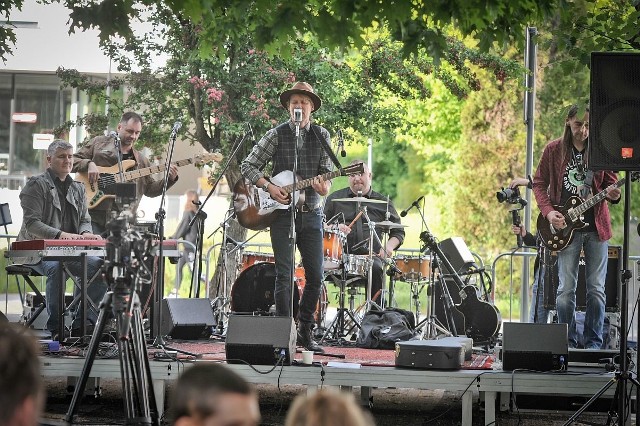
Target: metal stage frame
[489, 385]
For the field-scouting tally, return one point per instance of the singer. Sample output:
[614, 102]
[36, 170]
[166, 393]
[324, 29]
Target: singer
[278, 146]
[358, 235]
[101, 152]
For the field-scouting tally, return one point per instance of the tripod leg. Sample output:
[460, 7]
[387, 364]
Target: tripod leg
[105, 307]
[139, 397]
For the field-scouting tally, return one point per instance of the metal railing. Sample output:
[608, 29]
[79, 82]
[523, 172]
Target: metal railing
[633, 290]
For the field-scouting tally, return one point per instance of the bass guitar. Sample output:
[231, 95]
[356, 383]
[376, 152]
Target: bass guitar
[103, 189]
[558, 239]
[255, 208]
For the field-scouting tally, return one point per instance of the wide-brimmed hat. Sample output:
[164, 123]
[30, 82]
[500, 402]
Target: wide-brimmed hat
[301, 88]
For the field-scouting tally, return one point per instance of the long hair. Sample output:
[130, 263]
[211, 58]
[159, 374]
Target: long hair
[567, 136]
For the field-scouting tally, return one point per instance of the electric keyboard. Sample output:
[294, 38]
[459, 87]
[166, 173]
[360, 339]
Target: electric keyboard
[75, 248]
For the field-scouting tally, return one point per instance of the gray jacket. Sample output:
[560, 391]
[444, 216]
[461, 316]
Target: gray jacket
[42, 211]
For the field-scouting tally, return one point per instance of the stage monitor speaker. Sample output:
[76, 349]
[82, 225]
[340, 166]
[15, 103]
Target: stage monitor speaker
[458, 254]
[614, 134]
[260, 340]
[187, 319]
[612, 281]
[541, 347]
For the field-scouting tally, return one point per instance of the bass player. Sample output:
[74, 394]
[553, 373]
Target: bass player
[278, 145]
[101, 151]
[563, 172]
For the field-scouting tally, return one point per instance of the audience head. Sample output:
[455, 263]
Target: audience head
[213, 395]
[22, 393]
[327, 408]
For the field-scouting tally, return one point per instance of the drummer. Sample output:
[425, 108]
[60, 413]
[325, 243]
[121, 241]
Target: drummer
[358, 233]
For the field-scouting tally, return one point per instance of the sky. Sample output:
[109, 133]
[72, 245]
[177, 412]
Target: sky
[51, 46]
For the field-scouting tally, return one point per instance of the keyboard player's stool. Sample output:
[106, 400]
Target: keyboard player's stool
[26, 272]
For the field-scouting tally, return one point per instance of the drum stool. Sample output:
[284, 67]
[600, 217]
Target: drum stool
[26, 272]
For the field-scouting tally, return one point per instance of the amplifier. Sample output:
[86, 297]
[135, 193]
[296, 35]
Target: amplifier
[612, 282]
[260, 340]
[442, 354]
[541, 347]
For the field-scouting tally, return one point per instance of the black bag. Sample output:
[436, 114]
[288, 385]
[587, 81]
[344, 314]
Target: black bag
[382, 329]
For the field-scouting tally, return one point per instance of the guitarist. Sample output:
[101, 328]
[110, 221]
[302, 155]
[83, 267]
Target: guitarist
[101, 152]
[278, 146]
[563, 172]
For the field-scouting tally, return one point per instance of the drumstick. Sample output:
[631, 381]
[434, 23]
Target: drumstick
[354, 220]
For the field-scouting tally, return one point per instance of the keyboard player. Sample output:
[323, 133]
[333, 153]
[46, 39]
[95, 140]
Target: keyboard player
[55, 207]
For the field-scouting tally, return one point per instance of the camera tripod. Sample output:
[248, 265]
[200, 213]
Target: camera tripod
[123, 301]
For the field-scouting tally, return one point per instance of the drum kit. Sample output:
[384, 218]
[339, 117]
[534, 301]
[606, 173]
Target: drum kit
[253, 289]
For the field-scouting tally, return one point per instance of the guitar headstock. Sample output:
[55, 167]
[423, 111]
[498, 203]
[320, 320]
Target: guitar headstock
[353, 169]
[207, 157]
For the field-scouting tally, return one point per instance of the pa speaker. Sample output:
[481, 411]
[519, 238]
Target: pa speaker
[187, 319]
[614, 134]
[260, 340]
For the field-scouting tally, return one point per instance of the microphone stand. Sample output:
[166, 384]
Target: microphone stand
[116, 143]
[201, 214]
[160, 216]
[292, 224]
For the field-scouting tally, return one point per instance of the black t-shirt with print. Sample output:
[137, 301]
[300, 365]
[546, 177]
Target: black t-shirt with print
[572, 182]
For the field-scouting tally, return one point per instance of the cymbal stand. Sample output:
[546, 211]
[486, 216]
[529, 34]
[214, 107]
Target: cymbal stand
[372, 233]
[220, 303]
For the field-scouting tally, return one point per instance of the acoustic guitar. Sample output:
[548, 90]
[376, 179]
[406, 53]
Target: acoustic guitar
[102, 189]
[255, 208]
[558, 239]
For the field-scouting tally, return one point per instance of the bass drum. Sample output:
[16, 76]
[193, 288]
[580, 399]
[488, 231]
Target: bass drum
[253, 291]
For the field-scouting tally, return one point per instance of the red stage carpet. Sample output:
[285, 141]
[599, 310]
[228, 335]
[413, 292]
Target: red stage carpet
[370, 357]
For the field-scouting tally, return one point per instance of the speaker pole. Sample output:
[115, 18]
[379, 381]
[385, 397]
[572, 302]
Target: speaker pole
[622, 375]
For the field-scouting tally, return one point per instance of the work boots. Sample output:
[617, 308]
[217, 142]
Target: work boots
[305, 338]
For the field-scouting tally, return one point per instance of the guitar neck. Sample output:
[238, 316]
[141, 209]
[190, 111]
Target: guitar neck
[136, 174]
[301, 184]
[578, 210]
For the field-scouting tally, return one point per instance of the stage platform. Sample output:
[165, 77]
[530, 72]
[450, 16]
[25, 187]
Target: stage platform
[480, 380]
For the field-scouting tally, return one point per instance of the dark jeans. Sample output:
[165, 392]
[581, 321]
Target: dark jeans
[52, 269]
[309, 243]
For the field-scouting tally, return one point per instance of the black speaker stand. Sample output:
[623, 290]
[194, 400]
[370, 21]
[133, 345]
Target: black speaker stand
[622, 375]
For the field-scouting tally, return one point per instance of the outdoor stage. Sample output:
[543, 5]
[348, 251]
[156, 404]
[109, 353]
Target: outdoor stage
[481, 380]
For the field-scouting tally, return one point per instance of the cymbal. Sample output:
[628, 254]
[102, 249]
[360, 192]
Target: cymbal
[359, 200]
[390, 225]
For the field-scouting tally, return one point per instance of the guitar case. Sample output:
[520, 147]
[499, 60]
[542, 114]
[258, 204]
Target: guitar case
[443, 354]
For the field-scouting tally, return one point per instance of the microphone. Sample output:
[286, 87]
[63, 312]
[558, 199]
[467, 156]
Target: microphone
[343, 153]
[404, 212]
[297, 115]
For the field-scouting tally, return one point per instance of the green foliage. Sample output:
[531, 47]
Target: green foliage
[7, 35]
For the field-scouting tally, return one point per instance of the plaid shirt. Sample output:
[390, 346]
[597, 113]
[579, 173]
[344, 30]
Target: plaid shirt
[269, 148]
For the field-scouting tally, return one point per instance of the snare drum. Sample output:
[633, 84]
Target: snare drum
[332, 242]
[250, 258]
[414, 268]
[356, 264]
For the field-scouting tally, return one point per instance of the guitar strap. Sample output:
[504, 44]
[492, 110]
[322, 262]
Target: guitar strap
[325, 146]
[585, 190]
